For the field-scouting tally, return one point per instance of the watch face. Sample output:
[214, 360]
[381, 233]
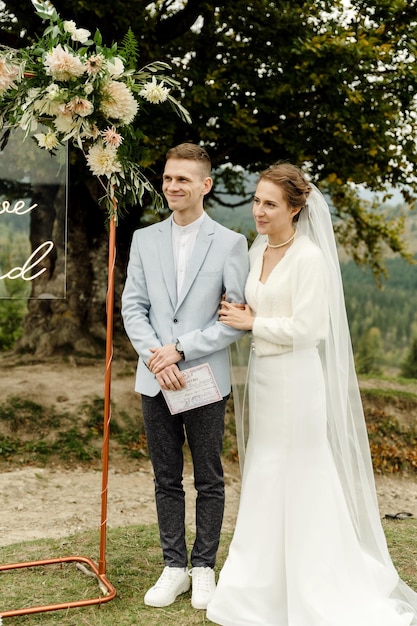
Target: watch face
[178, 347]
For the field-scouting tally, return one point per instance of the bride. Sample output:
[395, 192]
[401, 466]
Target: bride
[308, 547]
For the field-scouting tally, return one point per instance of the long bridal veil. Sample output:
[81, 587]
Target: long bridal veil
[345, 418]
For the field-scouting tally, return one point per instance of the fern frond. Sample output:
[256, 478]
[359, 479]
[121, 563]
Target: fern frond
[129, 49]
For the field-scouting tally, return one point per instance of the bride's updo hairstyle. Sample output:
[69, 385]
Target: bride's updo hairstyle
[292, 181]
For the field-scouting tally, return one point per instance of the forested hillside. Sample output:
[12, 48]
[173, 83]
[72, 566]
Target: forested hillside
[383, 320]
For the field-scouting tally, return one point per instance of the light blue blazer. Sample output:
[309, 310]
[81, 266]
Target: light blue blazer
[153, 315]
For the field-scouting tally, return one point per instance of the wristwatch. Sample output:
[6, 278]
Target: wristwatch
[178, 348]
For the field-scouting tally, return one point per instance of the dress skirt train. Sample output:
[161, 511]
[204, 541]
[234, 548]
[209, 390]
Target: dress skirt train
[295, 559]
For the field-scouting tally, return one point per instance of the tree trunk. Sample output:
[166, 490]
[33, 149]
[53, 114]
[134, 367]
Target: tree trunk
[77, 323]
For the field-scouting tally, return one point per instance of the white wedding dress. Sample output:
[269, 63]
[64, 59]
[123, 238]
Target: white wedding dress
[295, 558]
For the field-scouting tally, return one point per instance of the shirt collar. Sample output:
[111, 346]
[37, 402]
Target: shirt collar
[189, 228]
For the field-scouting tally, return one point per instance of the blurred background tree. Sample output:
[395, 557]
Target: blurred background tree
[369, 354]
[409, 365]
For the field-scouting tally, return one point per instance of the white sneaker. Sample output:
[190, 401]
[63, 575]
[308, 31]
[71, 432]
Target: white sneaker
[204, 586]
[172, 582]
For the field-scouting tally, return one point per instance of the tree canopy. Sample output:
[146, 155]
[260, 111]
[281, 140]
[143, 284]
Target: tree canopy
[327, 84]
[327, 87]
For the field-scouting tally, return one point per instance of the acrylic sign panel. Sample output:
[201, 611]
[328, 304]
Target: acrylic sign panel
[33, 218]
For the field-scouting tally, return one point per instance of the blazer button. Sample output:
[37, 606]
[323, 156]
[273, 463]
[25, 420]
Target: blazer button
[175, 320]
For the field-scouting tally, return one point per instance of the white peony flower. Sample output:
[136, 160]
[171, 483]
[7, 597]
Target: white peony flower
[62, 65]
[103, 161]
[118, 102]
[77, 34]
[153, 92]
[81, 34]
[48, 141]
[115, 67]
[69, 26]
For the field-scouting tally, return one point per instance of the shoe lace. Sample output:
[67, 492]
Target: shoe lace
[166, 579]
[201, 579]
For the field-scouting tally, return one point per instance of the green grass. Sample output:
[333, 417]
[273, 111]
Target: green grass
[402, 542]
[387, 394]
[133, 564]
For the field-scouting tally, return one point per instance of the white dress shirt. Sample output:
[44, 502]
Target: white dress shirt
[183, 241]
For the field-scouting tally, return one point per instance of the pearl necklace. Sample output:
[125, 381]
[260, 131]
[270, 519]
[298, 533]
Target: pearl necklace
[281, 245]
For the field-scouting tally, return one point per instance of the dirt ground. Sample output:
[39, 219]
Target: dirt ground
[54, 501]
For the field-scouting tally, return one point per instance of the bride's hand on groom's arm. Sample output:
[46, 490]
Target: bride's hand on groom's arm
[236, 315]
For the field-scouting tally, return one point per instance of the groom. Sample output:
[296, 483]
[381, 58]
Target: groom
[178, 271]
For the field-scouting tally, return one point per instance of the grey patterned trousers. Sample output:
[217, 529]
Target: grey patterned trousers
[166, 434]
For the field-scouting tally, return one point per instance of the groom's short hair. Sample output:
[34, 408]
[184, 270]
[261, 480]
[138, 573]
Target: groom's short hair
[191, 152]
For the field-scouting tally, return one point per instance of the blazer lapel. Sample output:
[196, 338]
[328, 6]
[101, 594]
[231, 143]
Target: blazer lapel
[201, 248]
[166, 257]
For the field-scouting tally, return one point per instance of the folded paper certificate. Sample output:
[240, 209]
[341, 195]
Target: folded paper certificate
[200, 389]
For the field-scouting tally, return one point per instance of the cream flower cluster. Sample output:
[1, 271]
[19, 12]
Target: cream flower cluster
[83, 92]
[73, 107]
